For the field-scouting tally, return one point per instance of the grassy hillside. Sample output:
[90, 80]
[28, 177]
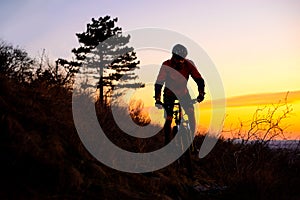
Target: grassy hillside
[42, 157]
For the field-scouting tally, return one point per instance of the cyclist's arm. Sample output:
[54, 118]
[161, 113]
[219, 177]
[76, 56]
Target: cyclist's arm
[160, 81]
[197, 77]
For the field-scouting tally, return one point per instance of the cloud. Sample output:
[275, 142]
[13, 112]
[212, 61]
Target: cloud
[259, 99]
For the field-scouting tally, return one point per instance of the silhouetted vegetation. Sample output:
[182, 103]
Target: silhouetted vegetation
[15, 63]
[266, 124]
[42, 156]
[137, 112]
[18, 66]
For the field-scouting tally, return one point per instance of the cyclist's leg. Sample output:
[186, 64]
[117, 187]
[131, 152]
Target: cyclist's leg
[189, 110]
[169, 105]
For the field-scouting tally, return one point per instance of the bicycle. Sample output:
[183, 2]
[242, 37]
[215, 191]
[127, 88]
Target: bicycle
[182, 125]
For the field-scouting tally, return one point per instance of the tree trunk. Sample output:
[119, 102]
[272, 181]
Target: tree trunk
[101, 88]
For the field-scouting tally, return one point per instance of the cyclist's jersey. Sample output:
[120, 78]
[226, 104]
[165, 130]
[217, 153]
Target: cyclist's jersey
[175, 76]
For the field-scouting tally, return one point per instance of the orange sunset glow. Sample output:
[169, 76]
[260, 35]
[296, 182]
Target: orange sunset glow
[238, 109]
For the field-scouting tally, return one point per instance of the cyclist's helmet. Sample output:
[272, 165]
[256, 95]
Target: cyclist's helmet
[179, 50]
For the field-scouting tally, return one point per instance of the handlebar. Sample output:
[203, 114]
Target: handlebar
[193, 101]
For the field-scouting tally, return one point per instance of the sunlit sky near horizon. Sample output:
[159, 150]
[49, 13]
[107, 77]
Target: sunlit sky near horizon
[254, 44]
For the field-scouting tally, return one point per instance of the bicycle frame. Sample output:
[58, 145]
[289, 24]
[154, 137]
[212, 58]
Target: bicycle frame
[180, 120]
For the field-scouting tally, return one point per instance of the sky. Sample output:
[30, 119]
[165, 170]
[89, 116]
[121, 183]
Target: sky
[254, 44]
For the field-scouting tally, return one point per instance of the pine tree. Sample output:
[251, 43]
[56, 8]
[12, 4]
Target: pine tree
[104, 50]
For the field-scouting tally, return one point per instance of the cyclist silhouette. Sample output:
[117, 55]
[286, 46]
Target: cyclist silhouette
[174, 74]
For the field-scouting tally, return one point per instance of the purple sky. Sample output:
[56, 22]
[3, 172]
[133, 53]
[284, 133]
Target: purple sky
[255, 41]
